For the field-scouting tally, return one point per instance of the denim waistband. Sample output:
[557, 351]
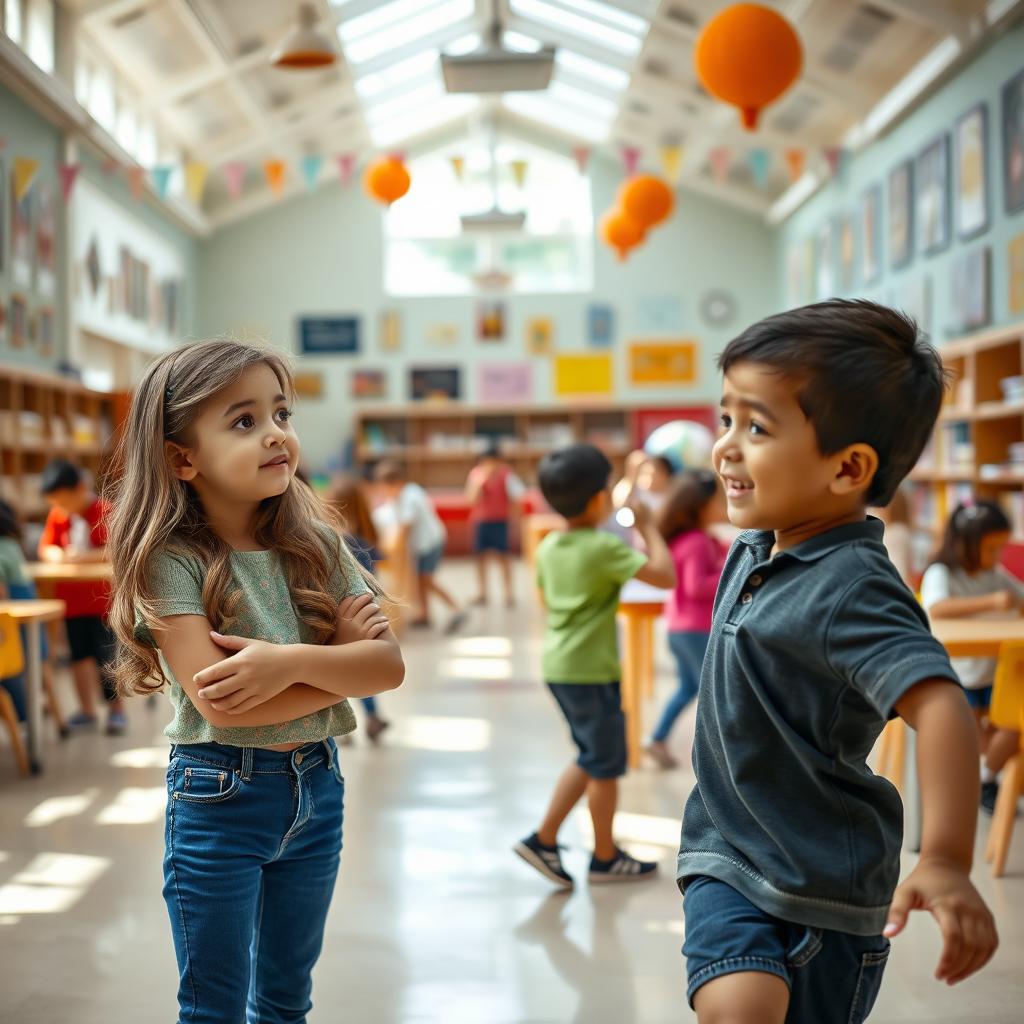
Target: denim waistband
[250, 761]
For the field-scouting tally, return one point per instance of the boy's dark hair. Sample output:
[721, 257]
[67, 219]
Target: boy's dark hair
[864, 373]
[570, 477]
[689, 493]
[9, 525]
[389, 471]
[961, 543]
[60, 475]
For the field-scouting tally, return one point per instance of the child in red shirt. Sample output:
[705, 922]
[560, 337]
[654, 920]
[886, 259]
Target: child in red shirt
[76, 531]
[491, 489]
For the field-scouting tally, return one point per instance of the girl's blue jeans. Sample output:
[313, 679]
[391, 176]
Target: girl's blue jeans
[253, 838]
[688, 649]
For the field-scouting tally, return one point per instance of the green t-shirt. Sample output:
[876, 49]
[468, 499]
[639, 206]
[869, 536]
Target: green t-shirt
[265, 613]
[12, 562]
[580, 573]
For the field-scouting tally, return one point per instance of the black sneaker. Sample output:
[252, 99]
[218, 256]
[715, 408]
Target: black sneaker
[621, 868]
[989, 795]
[546, 859]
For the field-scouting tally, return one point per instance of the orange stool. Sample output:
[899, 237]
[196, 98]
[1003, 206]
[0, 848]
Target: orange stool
[1007, 712]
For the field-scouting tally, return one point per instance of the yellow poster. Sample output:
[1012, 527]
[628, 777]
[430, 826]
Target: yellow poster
[1017, 274]
[583, 375]
[663, 362]
[540, 335]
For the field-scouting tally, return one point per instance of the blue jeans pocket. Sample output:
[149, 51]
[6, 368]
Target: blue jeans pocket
[869, 981]
[202, 785]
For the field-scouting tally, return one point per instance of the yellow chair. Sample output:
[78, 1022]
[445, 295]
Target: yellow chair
[12, 663]
[1007, 712]
[892, 752]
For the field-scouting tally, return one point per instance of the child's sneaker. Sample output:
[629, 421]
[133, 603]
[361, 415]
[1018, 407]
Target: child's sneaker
[659, 752]
[80, 720]
[621, 868]
[546, 859]
[117, 724]
[989, 795]
[375, 725]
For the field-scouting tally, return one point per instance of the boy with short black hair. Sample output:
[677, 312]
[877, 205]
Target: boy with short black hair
[76, 531]
[580, 572]
[790, 846]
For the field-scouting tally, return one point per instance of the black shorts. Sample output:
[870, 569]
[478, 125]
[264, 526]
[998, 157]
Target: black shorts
[90, 637]
[597, 724]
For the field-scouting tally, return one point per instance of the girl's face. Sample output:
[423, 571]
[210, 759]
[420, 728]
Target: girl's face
[990, 549]
[653, 477]
[243, 446]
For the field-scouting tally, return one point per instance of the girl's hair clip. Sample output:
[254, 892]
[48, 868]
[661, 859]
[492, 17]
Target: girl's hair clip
[168, 393]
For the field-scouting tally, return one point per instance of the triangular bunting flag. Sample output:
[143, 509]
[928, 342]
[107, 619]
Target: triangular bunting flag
[760, 164]
[161, 178]
[836, 159]
[311, 170]
[234, 176]
[346, 165]
[24, 175]
[672, 162]
[458, 166]
[630, 159]
[519, 168]
[275, 172]
[796, 159]
[581, 154]
[68, 174]
[195, 180]
[136, 181]
[720, 158]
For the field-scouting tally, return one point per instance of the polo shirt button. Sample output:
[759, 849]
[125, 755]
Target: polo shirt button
[755, 580]
[746, 598]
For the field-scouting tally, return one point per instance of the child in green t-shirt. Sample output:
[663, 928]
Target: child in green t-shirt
[580, 572]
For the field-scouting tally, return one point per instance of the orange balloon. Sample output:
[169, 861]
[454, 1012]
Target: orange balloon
[646, 199]
[386, 180]
[748, 55]
[620, 231]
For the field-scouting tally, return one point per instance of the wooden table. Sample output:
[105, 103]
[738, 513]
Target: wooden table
[640, 605]
[32, 614]
[535, 528]
[976, 638]
[48, 574]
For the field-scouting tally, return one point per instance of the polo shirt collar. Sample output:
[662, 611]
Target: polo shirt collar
[820, 544]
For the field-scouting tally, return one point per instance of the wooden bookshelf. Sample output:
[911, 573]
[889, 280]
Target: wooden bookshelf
[969, 454]
[439, 444]
[45, 417]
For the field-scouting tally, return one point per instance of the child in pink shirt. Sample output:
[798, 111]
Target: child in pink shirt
[694, 502]
[491, 490]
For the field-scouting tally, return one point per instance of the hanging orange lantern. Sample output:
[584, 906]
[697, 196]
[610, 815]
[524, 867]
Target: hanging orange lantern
[386, 180]
[620, 231]
[646, 200]
[748, 55]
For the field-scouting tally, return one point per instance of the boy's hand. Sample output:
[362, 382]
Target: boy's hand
[257, 672]
[360, 618]
[643, 518]
[968, 929]
[1003, 601]
[634, 462]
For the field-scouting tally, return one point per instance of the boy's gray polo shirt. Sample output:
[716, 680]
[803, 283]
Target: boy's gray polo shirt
[809, 652]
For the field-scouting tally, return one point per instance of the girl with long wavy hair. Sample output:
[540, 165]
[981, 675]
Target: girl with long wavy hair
[235, 592]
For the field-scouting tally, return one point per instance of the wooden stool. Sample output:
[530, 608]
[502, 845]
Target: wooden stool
[892, 753]
[12, 663]
[1007, 712]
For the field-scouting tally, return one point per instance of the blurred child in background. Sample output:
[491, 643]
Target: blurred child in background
[492, 490]
[896, 516]
[692, 505]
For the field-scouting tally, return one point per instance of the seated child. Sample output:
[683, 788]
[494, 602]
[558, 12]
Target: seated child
[580, 572]
[790, 849]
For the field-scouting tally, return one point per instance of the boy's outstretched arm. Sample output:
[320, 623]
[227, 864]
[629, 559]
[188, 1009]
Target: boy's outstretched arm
[947, 765]
[660, 569]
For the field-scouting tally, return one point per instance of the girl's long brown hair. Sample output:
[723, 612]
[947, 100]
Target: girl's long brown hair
[154, 512]
[689, 492]
[347, 498]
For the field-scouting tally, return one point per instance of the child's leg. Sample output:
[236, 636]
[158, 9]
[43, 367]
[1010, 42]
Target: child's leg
[434, 587]
[1003, 744]
[571, 785]
[603, 797]
[506, 572]
[423, 597]
[481, 578]
[86, 677]
[688, 649]
[370, 705]
[746, 998]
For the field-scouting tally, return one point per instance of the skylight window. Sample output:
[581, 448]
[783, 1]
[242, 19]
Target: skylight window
[397, 23]
[603, 74]
[422, 118]
[605, 12]
[394, 75]
[557, 115]
[596, 106]
[411, 99]
[618, 39]
[463, 45]
[519, 41]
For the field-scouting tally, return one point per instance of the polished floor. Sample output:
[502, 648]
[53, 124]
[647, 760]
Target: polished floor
[434, 919]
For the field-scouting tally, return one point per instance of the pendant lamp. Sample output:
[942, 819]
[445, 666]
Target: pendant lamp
[305, 46]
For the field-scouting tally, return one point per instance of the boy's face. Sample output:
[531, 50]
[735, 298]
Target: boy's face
[767, 456]
[72, 501]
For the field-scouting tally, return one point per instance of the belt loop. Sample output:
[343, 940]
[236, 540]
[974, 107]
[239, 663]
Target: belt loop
[246, 764]
[330, 754]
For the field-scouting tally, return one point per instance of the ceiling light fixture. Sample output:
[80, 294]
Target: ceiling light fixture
[305, 46]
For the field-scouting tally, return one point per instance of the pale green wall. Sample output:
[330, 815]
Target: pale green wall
[981, 80]
[322, 253]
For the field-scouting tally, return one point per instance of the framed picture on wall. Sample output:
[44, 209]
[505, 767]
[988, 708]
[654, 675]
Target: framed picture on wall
[932, 189]
[1013, 142]
[901, 214]
[3, 321]
[328, 335]
[46, 240]
[435, 383]
[871, 235]
[971, 281]
[490, 320]
[971, 208]
[21, 238]
[18, 317]
[3, 215]
[369, 384]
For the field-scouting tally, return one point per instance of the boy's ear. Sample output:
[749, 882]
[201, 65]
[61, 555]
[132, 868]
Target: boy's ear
[857, 466]
[179, 459]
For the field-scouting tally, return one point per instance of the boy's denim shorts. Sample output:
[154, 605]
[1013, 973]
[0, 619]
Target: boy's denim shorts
[428, 561]
[833, 977]
[597, 724]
